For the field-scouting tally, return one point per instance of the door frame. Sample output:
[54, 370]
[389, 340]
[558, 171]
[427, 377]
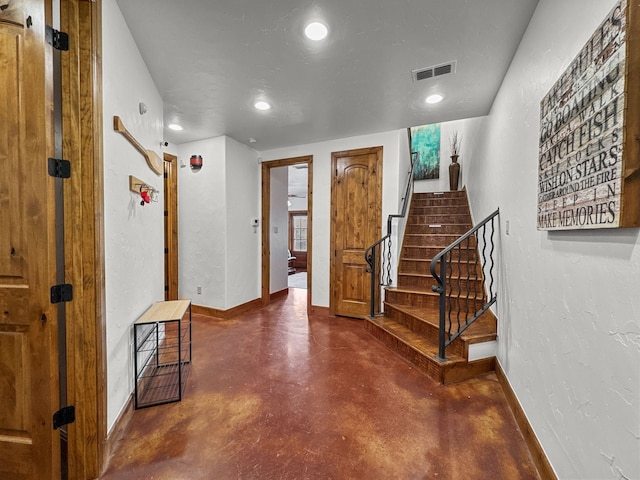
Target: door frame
[84, 235]
[171, 226]
[378, 151]
[266, 222]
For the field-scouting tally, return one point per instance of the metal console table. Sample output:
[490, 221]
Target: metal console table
[162, 343]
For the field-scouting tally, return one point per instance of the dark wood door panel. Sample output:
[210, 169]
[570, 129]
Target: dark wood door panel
[356, 211]
[29, 389]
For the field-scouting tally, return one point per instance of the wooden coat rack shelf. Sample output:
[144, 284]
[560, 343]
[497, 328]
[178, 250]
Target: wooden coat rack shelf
[153, 159]
[137, 186]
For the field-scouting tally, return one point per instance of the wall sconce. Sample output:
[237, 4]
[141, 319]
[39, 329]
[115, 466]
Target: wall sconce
[195, 162]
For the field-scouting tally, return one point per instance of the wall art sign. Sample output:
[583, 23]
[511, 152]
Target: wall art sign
[589, 132]
[425, 140]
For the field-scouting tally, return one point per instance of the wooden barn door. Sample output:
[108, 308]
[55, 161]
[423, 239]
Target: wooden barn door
[356, 197]
[29, 389]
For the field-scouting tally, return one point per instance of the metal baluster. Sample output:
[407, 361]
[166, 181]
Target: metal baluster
[450, 294]
[475, 268]
[443, 306]
[459, 288]
[492, 261]
[484, 256]
[389, 263]
[469, 289]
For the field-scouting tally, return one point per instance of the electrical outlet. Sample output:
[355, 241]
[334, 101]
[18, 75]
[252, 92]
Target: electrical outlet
[507, 227]
[199, 290]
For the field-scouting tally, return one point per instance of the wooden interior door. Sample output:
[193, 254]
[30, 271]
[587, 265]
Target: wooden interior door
[170, 227]
[356, 197]
[29, 388]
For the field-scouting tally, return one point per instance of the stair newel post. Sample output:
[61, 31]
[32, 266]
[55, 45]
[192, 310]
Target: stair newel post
[443, 307]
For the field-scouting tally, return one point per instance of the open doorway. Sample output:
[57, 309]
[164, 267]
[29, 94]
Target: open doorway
[278, 235]
[297, 225]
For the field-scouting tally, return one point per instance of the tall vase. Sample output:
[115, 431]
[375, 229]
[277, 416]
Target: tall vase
[454, 173]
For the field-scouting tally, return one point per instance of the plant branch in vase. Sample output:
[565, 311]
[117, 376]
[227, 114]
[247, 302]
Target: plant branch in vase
[455, 141]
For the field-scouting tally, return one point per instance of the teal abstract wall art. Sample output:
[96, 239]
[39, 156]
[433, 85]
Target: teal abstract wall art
[426, 141]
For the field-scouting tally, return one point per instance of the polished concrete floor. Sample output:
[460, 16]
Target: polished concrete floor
[275, 394]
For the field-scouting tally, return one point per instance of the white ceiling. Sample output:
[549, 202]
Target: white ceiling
[211, 59]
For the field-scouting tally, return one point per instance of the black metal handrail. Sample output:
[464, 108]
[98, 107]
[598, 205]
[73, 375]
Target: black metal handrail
[381, 264]
[458, 311]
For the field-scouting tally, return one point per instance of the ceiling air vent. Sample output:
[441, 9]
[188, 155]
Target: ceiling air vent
[433, 71]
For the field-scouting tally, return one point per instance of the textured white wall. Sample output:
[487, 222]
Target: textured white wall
[470, 131]
[219, 250]
[322, 193]
[243, 194]
[569, 309]
[298, 204]
[279, 219]
[202, 223]
[134, 235]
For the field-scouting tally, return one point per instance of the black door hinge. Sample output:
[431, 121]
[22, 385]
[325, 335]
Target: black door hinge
[57, 39]
[166, 251]
[166, 213]
[59, 168]
[64, 416]
[61, 293]
[166, 288]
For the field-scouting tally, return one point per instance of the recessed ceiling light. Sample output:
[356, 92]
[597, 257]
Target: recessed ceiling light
[431, 99]
[316, 31]
[175, 126]
[262, 105]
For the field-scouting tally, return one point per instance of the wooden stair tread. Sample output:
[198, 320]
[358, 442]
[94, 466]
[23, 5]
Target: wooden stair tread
[482, 330]
[428, 260]
[437, 234]
[415, 274]
[415, 290]
[440, 224]
[440, 246]
[450, 277]
[422, 345]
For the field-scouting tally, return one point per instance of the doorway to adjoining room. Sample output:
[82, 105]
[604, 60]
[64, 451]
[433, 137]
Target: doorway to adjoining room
[297, 225]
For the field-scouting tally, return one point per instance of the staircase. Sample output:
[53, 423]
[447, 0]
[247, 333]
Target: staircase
[409, 325]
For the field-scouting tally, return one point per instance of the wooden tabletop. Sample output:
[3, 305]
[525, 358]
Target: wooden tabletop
[163, 311]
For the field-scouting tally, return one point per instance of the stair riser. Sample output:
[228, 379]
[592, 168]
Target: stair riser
[432, 302]
[422, 328]
[439, 202]
[429, 300]
[460, 209]
[460, 269]
[429, 218]
[455, 194]
[437, 240]
[412, 323]
[413, 266]
[435, 228]
[418, 283]
[471, 288]
[426, 365]
[416, 251]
